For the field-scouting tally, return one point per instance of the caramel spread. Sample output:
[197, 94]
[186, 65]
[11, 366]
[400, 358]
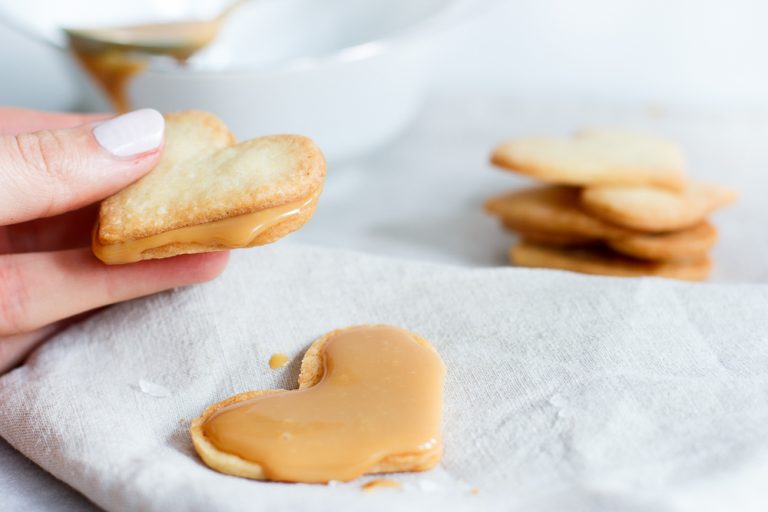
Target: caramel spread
[278, 361]
[229, 233]
[111, 70]
[113, 55]
[379, 483]
[380, 395]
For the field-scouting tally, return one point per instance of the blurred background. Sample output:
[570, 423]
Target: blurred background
[708, 54]
[701, 53]
[407, 97]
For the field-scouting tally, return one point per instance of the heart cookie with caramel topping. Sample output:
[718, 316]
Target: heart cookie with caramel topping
[208, 193]
[369, 401]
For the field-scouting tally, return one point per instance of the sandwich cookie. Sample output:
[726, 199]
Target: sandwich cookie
[208, 193]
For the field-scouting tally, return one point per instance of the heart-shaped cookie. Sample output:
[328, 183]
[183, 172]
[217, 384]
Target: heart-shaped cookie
[595, 157]
[604, 262]
[545, 238]
[656, 210]
[687, 244]
[208, 193]
[369, 401]
[554, 211]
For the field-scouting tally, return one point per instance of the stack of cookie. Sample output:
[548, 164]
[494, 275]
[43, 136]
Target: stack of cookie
[616, 203]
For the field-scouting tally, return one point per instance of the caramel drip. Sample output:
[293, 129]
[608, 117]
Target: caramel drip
[379, 483]
[278, 361]
[113, 56]
[112, 70]
[230, 233]
[380, 395]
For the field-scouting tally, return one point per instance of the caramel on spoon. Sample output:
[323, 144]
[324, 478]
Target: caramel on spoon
[112, 55]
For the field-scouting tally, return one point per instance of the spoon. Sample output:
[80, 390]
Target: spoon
[179, 39]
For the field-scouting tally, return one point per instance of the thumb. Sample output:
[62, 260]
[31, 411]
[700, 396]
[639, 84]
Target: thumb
[48, 172]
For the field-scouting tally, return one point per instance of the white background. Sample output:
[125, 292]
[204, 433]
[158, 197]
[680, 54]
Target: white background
[705, 53]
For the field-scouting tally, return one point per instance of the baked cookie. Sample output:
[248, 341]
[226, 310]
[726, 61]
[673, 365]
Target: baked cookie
[551, 210]
[605, 262]
[688, 244]
[366, 437]
[208, 193]
[553, 239]
[653, 209]
[595, 157]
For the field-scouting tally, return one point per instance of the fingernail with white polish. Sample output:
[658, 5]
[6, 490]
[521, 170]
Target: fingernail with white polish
[132, 133]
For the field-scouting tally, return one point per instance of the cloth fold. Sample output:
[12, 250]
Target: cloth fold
[562, 390]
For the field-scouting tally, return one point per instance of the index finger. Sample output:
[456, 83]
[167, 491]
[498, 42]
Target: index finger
[19, 120]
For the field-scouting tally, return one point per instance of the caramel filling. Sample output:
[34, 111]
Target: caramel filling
[111, 70]
[380, 395]
[278, 361]
[112, 56]
[230, 233]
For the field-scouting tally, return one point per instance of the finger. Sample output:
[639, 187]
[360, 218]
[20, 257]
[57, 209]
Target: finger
[49, 172]
[66, 231]
[20, 120]
[14, 349]
[40, 288]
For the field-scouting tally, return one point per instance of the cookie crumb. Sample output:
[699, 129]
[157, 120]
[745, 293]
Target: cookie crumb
[152, 389]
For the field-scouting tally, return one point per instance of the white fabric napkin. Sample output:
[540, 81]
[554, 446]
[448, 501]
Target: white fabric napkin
[562, 391]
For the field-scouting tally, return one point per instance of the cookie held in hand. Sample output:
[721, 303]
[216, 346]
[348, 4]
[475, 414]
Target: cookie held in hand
[208, 193]
[369, 401]
[595, 157]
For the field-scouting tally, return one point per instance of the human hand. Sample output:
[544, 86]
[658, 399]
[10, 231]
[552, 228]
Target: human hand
[53, 167]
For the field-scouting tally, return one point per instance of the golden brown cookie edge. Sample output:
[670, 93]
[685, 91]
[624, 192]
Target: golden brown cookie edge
[554, 210]
[539, 256]
[594, 202]
[504, 156]
[311, 177]
[689, 244]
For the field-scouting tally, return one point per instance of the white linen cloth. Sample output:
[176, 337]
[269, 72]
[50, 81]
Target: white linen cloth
[562, 390]
[420, 198]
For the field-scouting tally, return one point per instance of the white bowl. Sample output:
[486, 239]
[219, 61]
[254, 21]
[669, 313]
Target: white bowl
[348, 73]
